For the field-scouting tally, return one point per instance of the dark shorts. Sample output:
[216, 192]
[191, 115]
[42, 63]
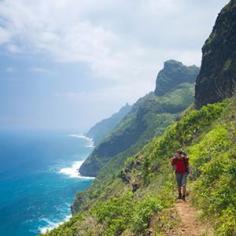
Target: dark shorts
[181, 179]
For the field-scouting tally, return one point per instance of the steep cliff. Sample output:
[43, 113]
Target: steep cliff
[148, 117]
[140, 199]
[173, 74]
[102, 129]
[217, 77]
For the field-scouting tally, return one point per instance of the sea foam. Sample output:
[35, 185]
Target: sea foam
[73, 171]
[52, 225]
[90, 142]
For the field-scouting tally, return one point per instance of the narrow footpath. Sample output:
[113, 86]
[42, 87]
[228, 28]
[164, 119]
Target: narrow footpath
[190, 224]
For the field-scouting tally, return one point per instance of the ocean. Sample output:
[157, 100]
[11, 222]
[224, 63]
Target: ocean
[39, 179]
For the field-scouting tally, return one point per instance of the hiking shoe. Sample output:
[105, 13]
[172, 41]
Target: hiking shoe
[183, 198]
[179, 197]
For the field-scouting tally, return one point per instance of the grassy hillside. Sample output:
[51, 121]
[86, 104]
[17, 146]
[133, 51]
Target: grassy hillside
[174, 73]
[148, 117]
[134, 193]
[141, 196]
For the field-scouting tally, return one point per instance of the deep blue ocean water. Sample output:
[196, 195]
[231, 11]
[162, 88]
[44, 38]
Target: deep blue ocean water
[38, 179]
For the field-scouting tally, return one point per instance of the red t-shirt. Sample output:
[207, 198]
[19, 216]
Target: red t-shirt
[181, 165]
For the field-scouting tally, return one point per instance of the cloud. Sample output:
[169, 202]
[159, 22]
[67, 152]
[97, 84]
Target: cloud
[4, 35]
[118, 40]
[118, 45]
[10, 69]
[108, 95]
[13, 48]
[100, 103]
[39, 70]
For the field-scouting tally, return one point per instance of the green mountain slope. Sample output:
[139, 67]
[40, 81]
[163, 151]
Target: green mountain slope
[138, 199]
[114, 207]
[172, 75]
[148, 117]
[102, 129]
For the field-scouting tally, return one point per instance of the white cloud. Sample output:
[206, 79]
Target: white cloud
[4, 35]
[123, 41]
[13, 48]
[108, 95]
[38, 70]
[10, 69]
[101, 103]
[111, 36]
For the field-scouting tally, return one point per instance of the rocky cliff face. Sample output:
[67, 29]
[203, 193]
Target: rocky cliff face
[217, 77]
[149, 116]
[173, 74]
[146, 176]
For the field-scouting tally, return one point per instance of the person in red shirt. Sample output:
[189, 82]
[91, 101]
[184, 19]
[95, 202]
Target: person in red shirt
[180, 164]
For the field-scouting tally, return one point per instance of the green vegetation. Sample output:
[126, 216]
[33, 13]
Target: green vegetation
[141, 196]
[227, 64]
[149, 117]
[173, 74]
[122, 213]
[135, 192]
[103, 128]
[214, 160]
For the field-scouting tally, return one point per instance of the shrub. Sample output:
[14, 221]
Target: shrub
[143, 213]
[115, 213]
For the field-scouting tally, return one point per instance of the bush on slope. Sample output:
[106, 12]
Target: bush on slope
[145, 187]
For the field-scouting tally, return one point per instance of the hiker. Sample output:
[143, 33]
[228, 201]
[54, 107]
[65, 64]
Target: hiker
[180, 164]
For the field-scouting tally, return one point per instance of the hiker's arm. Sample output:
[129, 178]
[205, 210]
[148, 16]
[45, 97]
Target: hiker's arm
[188, 166]
[187, 162]
[173, 162]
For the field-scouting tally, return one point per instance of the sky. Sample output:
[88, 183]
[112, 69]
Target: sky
[66, 64]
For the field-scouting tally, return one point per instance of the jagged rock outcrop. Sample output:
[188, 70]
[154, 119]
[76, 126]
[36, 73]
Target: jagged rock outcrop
[217, 77]
[108, 208]
[173, 74]
[149, 116]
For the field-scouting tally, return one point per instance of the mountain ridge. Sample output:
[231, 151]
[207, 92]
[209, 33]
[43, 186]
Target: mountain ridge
[147, 118]
[173, 74]
[102, 128]
[139, 199]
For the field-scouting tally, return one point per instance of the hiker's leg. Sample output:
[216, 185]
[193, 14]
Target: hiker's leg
[184, 182]
[184, 190]
[179, 183]
[179, 192]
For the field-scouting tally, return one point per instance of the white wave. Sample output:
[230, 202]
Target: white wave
[73, 171]
[90, 142]
[52, 225]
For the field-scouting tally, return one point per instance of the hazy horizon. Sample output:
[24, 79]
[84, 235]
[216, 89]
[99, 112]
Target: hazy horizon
[67, 64]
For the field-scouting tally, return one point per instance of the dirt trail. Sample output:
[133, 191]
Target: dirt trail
[190, 225]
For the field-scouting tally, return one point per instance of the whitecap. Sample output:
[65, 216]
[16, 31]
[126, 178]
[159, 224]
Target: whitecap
[90, 142]
[52, 225]
[73, 171]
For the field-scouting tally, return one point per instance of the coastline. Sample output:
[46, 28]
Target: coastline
[71, 171]
[52, 225]
[90, 142]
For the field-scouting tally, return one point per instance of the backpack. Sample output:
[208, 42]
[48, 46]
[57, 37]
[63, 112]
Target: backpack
[186, 165]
